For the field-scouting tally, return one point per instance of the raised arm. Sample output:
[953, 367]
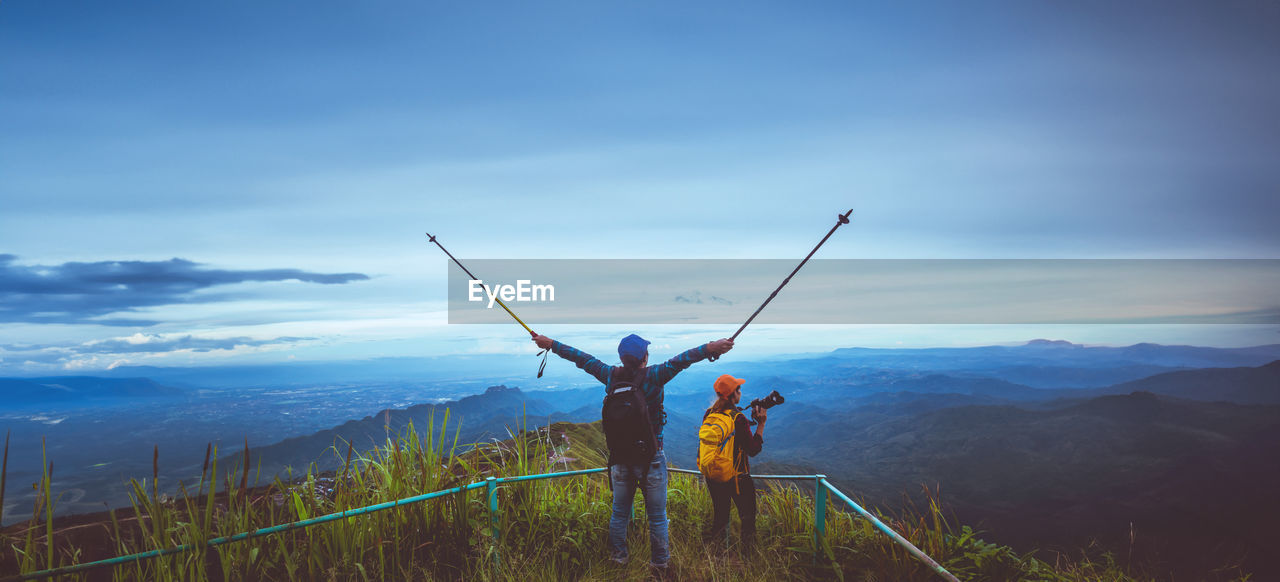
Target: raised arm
[668, 370]
[587, 362]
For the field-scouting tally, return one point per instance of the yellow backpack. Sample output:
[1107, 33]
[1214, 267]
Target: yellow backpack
[715, 447]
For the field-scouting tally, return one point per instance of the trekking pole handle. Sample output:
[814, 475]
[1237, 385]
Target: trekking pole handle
[513, 315]
[431, 238]
[841, 220]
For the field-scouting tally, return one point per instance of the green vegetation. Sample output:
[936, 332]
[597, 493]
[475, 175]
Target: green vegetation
[548, 529]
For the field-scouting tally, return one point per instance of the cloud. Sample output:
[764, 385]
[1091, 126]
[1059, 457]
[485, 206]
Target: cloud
[94, 353]
[696, 298]
[139, 343]
[151, 344]
[87, 292]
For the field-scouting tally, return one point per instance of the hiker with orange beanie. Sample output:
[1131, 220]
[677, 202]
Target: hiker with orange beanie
[726, 443]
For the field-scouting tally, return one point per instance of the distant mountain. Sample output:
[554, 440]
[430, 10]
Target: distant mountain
[70, 389]
[944, 384]
[1045, 376]
[869, 396]
[471, 419]
[1054, 478]
[17, 391]
[1039, 363]
[304, 373]
[1065, 354]
[1053, 344]
[901, 403]
[921, 437]
[1259, 385]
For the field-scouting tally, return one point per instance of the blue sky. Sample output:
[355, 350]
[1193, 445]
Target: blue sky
[262, 173]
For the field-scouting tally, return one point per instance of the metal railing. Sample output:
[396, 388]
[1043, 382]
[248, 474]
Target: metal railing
[821, 488]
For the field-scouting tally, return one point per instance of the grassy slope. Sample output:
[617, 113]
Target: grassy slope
[549, 530]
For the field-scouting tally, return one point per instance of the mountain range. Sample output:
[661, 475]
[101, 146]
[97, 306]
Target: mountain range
[66, 389]
[1048, 445]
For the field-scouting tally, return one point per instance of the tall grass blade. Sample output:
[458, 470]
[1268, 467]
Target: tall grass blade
[4, 473]
[48, 523]
[244, 476]
[204, 469]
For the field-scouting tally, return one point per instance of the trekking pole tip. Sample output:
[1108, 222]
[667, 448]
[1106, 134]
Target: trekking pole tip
[430, 238]
[844, 218]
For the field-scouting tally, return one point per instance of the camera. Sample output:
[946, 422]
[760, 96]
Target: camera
[773, 399]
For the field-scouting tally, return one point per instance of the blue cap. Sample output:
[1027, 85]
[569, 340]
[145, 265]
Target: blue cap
[633, 345]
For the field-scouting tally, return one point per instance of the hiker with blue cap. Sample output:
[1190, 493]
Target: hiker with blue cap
[636, 457]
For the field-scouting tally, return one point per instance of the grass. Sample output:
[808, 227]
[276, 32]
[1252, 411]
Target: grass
[547, 529]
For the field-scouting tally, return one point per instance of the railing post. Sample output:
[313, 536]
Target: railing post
[819, 513]
[491, 487]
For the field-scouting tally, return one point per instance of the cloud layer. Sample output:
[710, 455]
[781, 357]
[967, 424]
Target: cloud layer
[140, 344]
[86, 293]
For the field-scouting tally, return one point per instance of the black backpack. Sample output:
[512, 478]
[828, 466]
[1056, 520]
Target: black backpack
[627, 428]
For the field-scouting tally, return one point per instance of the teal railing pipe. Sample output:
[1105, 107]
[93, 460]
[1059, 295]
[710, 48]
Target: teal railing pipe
[491, 488]
[491, 494]
[550, 475]
[780, 477]
[240, 536]
[819, 514]
[820, 517]
[824, 484]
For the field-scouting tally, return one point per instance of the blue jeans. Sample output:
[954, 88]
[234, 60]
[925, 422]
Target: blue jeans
[654, 487]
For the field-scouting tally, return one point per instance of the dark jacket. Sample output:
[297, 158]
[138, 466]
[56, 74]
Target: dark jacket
[656, 376]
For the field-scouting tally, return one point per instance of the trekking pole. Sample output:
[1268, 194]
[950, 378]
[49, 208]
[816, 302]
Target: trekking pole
[494, 297]
[842, 219]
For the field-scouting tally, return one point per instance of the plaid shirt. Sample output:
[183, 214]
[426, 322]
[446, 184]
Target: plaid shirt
[655, 377]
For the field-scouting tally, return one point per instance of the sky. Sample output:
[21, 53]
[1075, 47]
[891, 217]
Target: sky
[247, 182]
